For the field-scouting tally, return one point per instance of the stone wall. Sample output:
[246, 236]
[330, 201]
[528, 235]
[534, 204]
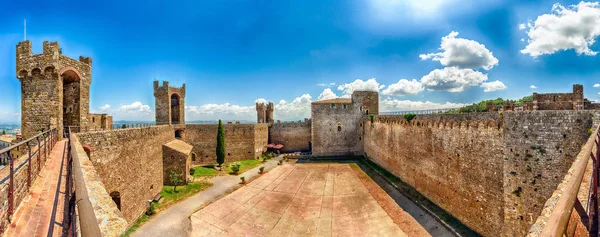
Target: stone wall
[540, 147]
[99, 122]
[166, 112]
[176, 158]
[560, 101]
[471, 168]
[242, 141]
[295, 136]
[55, 89]
[129, 161]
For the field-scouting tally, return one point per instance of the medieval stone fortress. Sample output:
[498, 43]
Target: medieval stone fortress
[524, 170]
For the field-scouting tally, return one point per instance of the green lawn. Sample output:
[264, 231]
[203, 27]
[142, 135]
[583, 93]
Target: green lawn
[169, 198]
[208, 170]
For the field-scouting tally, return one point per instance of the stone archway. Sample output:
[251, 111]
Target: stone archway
[71, 90]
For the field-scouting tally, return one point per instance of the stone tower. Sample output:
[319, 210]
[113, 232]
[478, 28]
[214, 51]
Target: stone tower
[578, 97]
[368, 102]
[170, 104]
[55, 89]
[264, 113]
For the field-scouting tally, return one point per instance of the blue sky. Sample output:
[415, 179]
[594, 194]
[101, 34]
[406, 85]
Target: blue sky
[231, 53]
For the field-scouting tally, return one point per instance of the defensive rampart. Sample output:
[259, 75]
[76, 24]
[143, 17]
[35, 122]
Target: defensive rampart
[295, 136]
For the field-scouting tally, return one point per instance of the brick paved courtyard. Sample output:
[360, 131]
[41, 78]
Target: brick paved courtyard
[305, 200]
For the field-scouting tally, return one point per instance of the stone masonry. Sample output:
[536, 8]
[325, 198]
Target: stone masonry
[295, 136]
[176, 158]
[55, 89]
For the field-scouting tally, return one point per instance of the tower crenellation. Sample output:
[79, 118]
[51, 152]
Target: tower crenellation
[169, 101]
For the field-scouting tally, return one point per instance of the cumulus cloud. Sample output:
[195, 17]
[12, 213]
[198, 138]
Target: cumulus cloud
[404, 87]
[261, 100]
[297, 109]
[573, 27]
[360, 85]
[522, 26]
[389, 104]
[135, 107]
[326, 84]
[533, 87]
[596, 85]
[452, 79]
[462, 53]
[327, 94]
[493, 86]
[105, 107]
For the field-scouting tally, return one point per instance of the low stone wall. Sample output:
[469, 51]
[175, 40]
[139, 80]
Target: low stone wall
[129, 162]
[491, 171]
[97, 213]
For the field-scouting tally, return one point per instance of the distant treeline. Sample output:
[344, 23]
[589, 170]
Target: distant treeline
[481, 106]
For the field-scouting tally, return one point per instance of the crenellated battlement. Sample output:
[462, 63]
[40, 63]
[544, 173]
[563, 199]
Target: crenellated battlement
[291, 124]
[461, 124]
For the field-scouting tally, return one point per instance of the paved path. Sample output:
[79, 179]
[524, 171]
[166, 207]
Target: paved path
[175, 220]
[298, 200]
[33, 216]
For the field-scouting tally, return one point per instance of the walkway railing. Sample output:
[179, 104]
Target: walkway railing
[37, 147]
[558, 222]
[425, 111]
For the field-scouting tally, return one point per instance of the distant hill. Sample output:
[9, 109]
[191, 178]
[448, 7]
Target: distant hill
[481, 106]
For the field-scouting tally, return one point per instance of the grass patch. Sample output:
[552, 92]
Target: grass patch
[169, 198]
[245, 165]
[202, 171]
[209, 170]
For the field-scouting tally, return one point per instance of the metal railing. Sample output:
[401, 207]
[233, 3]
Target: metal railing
[35, 147]
[425, 111]
[560, 216]
[69, 216]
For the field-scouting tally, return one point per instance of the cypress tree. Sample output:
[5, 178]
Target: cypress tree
[220, 144]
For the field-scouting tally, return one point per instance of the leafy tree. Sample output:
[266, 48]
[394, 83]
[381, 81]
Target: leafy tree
[220, 144]
[123, 126]
[175, 180]
[3, 132]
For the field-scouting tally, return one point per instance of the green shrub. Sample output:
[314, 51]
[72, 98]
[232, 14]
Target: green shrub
[243, 179]
[372, 118]
[192, 171]
[409, 117]
[235, 167]
[124, 126]
[261, 169]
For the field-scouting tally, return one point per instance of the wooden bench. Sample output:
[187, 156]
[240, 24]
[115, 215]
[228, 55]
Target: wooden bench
[157, 197]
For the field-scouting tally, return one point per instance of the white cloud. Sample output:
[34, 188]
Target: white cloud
[105, 107]
[408, 105]
[596, 85]
[404, 87]
[135, 107]
[299, 108]
[573, 27]
[462, 53]
[360, 85]
[493, 86]
[326, 84]
[261, 100]
[522, 26]
[533, 87]
[327, 94]
[452, 79]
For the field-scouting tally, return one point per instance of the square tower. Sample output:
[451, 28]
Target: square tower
[170, 104]
[55, 89]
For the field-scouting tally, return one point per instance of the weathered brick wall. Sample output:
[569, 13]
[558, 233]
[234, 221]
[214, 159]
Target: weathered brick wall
[176, 158]
[242, 141]
[129, 161]
[99, 122]
[540, 146]
[295, 136]
[457, 165]
[49, 82]
[471, 167]
[164, 113]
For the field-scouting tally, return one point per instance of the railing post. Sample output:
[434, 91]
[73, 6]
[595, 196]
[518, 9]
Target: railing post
[11, 201]
[39, 150]
[29, 166]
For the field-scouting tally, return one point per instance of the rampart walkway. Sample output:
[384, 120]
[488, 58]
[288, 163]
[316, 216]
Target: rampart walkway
[34, 215]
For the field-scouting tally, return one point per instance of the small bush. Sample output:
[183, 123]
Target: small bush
[235, 167]
[409, 117]
[261, 169]
[372, 118]
[192, 171]
[243, 179]
[124, 126]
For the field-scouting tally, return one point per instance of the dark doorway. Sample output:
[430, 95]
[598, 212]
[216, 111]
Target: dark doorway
[175, 110]
[178, 134]
[70, 104]
[116, 197]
